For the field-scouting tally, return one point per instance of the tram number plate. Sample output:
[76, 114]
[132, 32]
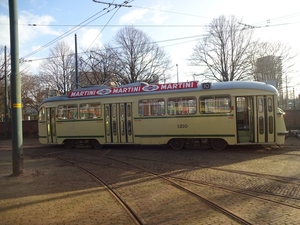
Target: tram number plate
[181, 125]
[206, 85]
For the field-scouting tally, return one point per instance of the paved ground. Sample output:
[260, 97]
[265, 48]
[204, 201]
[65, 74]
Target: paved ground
[52, 192]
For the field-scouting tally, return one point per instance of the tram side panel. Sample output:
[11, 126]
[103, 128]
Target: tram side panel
[159, 130]
[80, 130]
[57, 124]
[42, 132]
[280, 127]
[185, 116]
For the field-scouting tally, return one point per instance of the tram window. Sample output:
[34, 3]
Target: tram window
[241, 104]
[152, 107]
[67, 112]
[270, 105]
[122, 110]
[182, 106]
[114, 111]
[90, 110]
[107, 120]
[128, 110]
[261, 125]
[215, 104]
[271, 125]
[260, 105]
[42, 114]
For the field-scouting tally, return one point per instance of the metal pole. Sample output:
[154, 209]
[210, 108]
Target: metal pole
[177, 73]
[6, 95]
[286, 94]
[76, 63]
[16, 102]
[64, 74]
[294, 98]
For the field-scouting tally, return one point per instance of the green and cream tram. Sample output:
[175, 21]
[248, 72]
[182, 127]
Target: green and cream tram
[175, 114]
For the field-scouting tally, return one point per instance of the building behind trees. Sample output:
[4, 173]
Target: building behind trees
[269, 69]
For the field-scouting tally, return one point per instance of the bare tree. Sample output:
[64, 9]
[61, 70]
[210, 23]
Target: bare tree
[138, 58]
[7, 62]
[31, 93]
[2, 77]
[223, 52]
[97, 67]
[2, 97]
[57, 72]
[4, 62]
[5, 70]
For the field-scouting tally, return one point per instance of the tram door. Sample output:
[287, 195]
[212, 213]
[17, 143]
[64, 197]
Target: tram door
[50, 125]
[245, 119]
[118, 123]
[265, 119]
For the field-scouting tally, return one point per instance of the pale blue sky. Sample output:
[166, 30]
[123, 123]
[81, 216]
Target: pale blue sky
[274, 20]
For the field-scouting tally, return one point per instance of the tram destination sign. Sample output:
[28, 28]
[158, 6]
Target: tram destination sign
[133, 89]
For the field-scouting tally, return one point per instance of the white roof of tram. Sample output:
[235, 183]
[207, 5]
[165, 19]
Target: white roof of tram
[142, 88]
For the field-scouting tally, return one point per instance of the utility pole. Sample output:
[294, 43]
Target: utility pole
[6, 94]
[177, 73]
[286, 94]
[76, 63]
[16, 101]
[294, 101]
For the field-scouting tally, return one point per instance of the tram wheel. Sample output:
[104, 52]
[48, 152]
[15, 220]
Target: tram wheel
[69, 144]
[177, 143]
[218, 143]
[96, 144]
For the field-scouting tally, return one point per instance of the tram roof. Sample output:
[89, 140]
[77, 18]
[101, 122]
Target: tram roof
[141, 88]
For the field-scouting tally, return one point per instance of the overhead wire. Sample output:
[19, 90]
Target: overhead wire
[89, 20]
[162, 41]
[161, 10]
[103, 28]
[120, 25]
[280, 18]
[77, 27]
[267, 22]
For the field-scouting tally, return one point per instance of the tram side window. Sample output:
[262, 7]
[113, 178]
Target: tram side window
[241, 106]
[67, 112]
[152, 107]
[260, 105]
[42, 114]
[90, 110]
[182, 106]
[270, 105]
[215, 104]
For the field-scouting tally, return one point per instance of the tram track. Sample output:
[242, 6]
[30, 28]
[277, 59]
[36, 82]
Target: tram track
[81, 164]
[276, 178]
[251, 194]
[269, 177]
[169, 180]
[262, 198]
[254, 194]
[129, 210]
[185, 184]
[248, 192]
